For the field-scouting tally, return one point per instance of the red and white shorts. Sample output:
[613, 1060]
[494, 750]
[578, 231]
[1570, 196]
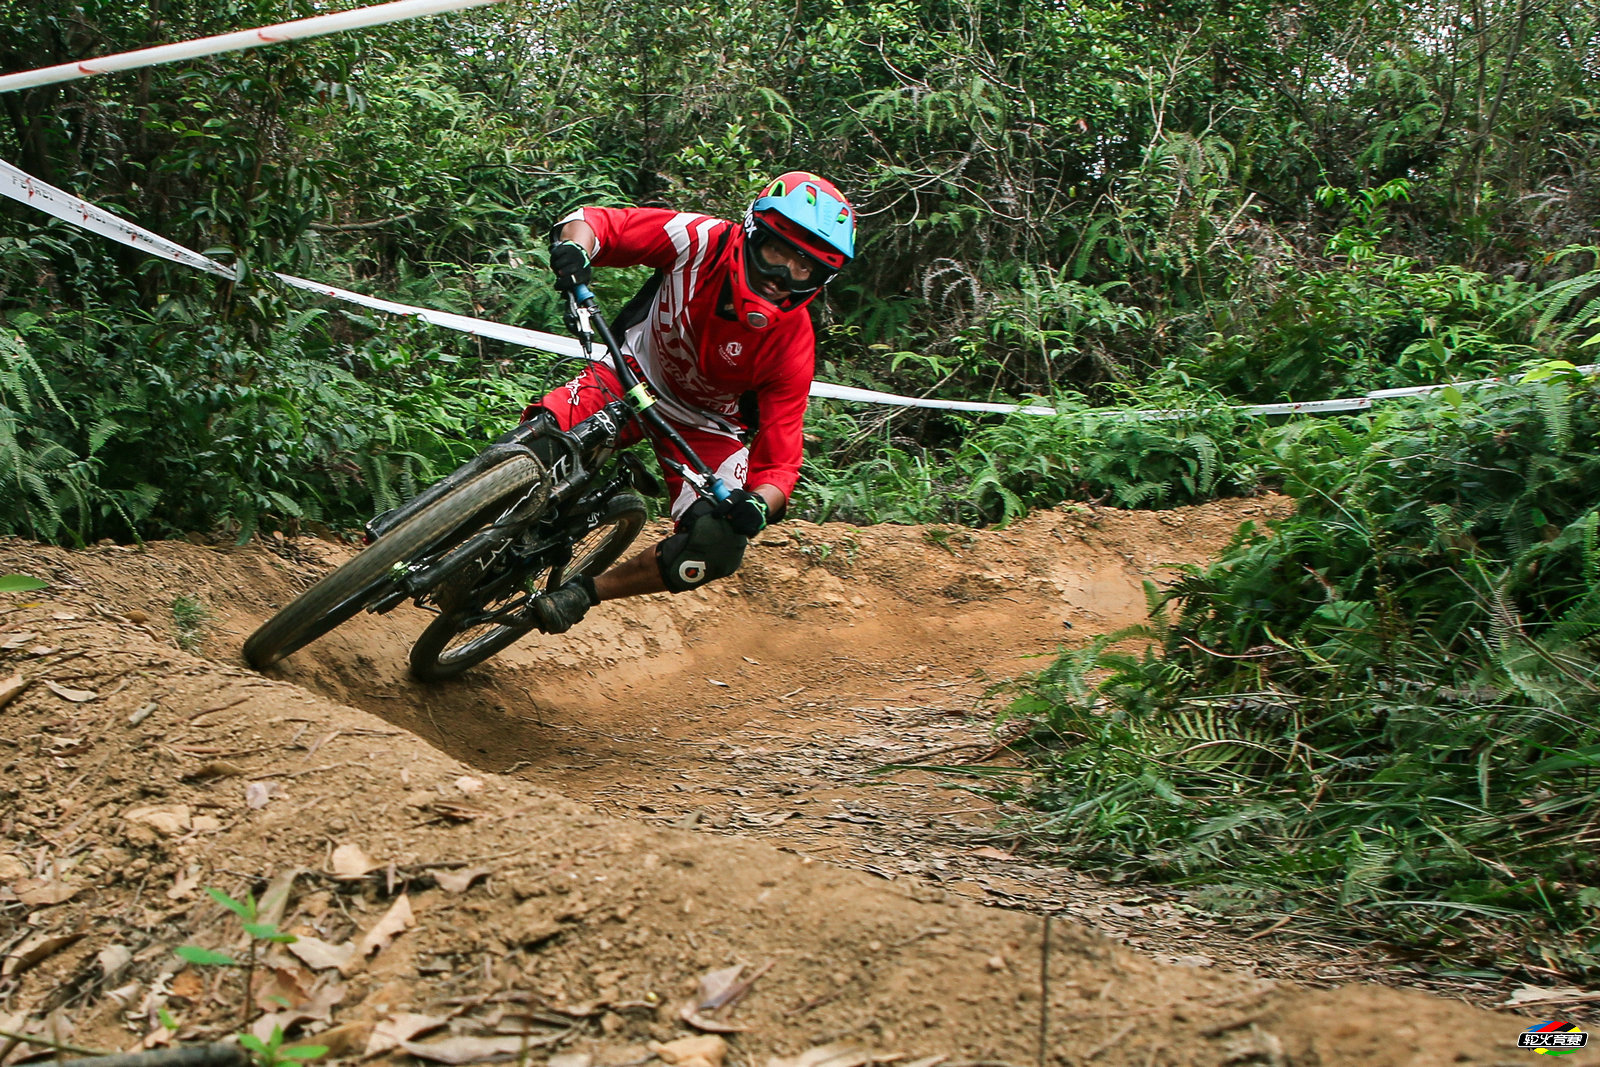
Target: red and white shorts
[590, 391]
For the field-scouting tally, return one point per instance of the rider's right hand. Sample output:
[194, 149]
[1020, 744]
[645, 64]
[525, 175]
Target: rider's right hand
[569, 261]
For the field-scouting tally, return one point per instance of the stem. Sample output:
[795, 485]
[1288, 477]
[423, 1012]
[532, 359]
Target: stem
[54, 1046]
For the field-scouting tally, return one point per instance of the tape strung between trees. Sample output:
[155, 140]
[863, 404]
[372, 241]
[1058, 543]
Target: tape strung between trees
[316, 26]
[23, 187]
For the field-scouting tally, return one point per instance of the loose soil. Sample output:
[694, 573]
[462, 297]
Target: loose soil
[554, 857]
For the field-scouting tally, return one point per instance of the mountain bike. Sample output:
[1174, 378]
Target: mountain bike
[535, 508]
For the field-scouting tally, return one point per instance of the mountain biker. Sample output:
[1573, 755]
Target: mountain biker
[723, 337]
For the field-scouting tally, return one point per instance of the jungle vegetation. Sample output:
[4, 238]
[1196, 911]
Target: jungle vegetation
[1383, 710]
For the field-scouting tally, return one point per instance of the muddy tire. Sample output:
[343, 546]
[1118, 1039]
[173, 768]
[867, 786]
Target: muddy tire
[362, 580]
[452, 643]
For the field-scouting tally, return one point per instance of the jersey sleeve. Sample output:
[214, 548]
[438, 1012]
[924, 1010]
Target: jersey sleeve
[779, 445]
[635, 236]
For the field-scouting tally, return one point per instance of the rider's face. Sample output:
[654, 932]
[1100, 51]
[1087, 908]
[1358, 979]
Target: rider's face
[781, 257]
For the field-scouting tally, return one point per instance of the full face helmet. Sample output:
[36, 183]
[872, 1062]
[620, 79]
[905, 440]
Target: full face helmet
[798, 234]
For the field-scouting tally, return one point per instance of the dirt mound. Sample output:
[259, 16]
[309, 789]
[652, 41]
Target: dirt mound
[472, 895]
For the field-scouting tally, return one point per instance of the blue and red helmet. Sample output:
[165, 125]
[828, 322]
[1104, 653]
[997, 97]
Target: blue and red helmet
[806, 217]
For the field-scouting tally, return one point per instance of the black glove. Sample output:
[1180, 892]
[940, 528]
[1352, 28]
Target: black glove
[745, 511]
[569, 261]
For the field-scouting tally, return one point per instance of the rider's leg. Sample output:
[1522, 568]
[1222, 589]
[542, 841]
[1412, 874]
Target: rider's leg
[637, 576]
[724, 453]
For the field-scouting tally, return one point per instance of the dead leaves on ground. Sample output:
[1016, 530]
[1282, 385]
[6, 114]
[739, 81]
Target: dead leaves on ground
[11, 688]
[35, 950]
[719, 991]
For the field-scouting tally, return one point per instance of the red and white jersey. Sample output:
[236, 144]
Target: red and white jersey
[699, 361]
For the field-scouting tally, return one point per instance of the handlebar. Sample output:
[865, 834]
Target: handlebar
[583, 315]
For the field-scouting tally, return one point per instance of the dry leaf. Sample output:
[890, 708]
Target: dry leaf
[459, 1050]
[711, 1026]
[77, 696]
[35, 949]
[258, 794]
[399, 1028]
[112, 959]
[458, 881]
[397, 919]
[719, 990]
[275, 898]
[988, 853]
[187, 984]
[40, 893]
[186, 883]
[349, 862]
[346, 1039]
[217, 768]
[1532, 994]
[837, 1054]
[705, 1049]
[719, 987]
[169, 820]
[458, 811]
[283, 989]
[11, 688]
[320, 955]
[469, 785]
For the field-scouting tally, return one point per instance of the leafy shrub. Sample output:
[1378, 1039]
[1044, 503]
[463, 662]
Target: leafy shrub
[1386, 706]
[1173, 449]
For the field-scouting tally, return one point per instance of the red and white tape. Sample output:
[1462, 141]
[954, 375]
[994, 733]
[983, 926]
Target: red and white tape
[29, 190]
[233, 42]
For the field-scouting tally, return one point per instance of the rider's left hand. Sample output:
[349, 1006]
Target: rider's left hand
[745, 511]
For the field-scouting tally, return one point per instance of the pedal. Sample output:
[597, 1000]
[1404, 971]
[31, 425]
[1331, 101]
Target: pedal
[640, 477]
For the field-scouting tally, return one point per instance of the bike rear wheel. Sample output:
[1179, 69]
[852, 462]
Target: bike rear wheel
[467, 631]
[361, 581]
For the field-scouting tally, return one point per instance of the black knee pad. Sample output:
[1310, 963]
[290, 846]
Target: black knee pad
[703, 548]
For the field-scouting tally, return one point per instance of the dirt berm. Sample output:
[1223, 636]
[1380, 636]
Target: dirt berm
[454, 862]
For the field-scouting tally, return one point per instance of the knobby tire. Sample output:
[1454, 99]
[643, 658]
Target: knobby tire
[435, 659]
[360, 581]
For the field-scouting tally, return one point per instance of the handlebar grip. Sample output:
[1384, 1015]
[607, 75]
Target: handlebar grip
[582, 293]
[720, 490]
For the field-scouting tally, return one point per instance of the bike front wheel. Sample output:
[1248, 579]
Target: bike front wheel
[361, 581]
[477, 620]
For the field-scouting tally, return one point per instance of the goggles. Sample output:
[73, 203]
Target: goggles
[774, 257]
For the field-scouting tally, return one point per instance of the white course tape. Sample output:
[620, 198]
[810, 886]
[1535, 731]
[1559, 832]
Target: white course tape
[233, 42]
[517, 335]
[872, 396]
[63, 205]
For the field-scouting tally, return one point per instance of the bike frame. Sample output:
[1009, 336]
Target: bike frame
[567, 475]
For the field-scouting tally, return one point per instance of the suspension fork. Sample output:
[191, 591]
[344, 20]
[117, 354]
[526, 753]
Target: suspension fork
[583, 313]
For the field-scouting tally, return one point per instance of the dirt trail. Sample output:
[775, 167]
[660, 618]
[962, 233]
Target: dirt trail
[134, 774]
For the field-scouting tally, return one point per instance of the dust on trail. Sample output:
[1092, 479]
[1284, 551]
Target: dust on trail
[134, 774]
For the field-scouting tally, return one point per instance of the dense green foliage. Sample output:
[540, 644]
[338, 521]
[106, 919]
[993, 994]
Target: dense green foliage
[1387, 708]
[1249, 202]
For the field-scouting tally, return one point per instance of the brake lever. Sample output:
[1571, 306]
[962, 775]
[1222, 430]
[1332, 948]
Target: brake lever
[579, 321]
[712, 488]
